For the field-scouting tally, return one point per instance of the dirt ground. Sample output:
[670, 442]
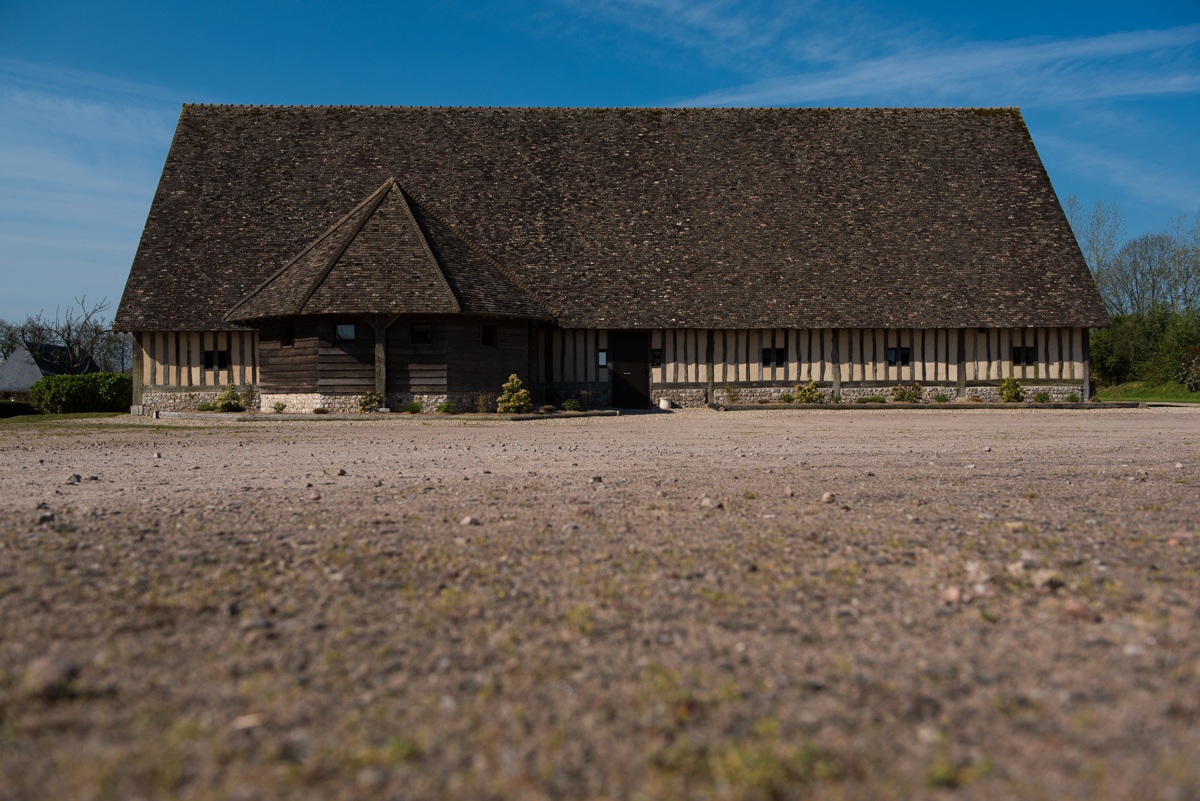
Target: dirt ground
[808, 604]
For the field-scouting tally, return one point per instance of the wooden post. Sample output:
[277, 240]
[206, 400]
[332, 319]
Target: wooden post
[962, 363]
[1087, 363]
[380, 326]
[836, 362]
[710, 352]
[137, 369]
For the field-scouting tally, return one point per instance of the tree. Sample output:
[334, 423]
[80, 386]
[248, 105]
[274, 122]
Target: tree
[82, 332]
[1098, 231]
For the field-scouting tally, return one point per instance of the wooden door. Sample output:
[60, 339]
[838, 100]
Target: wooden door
[629, 361]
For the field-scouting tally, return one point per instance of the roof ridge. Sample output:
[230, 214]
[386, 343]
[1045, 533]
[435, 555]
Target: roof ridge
[324, 235]
[386, 106]
[478, 251]
[441, 272]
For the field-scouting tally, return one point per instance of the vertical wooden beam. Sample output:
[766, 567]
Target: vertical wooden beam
[962, 362]
[1087, 363]
[138, 366]
[836, 362]
[381, 356]
[709, 354]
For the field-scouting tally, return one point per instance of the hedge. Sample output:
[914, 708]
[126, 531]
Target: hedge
[94, 392]
[15, 409]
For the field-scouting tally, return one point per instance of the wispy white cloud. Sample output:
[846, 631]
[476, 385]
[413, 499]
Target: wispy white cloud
[79, 159]
[1175, 187]
[1027, 70]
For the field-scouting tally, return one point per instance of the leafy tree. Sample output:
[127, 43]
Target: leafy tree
[514, 399]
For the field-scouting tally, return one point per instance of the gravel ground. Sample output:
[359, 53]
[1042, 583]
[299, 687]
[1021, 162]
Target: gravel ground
[881, 604]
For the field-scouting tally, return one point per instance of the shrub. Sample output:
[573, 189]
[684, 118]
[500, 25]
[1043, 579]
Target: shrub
[546, 408]
[585, 399]
[320, 410]
[1073, 397]
[787, 398]
[16, 409]
[369, 402]
[1188, 373]
[1011, 392]
[1042, 396]
[205, 406]
[870, 399]
[835, 398]
[228, 401]
[941, 397]
[907, 394]
[514, 399]
[732, 393]
[483, 403]
[94, 392]
[412, 407]
[446, 407]
[807, 393]
[278, 407]
[572, 405]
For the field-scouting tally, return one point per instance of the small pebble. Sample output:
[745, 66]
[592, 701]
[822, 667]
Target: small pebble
[828, 497]
[49, 679]
[341, 471]
[469, 521]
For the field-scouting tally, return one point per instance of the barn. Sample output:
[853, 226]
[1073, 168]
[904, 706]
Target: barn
[314, 254]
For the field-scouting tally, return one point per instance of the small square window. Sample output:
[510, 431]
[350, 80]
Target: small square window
[344, 332]
[287, 335]
[899, 356]
[602, 358]
[774, 357]
[656, 357]
[218, 359]
[489, 336]
[1025, 355]
[422, 334]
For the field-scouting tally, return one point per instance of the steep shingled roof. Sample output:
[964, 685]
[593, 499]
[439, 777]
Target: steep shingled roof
[388, 256]
[630, 218]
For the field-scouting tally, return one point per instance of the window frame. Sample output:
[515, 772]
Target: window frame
[339, 333]
[412, 334]
[898, 356]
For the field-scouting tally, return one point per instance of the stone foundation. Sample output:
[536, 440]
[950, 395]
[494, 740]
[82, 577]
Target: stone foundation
[185, 400]
[598, 396]
[1058, 394]
[684, 398]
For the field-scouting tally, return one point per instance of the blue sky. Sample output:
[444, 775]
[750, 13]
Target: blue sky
[89, 92]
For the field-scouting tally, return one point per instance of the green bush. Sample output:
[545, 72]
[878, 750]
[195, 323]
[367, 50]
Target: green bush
[205, 406]
[412, 407]
[320, 410]
[15, 409]
[732, 393]
[1073, 397]
[228, 401]
[907, 394]
[572, 405]
[1188, 373]
[1041, 396]
[941, 397]
[514, 399]
[870, 399]
[787, 398]
[808, 393]
[71, 394]
[445, 407]
[369, 402]
[1011, 392]
[278, 407]
[483, 403]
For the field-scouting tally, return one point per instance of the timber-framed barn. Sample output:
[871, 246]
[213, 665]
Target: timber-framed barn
[315, 254]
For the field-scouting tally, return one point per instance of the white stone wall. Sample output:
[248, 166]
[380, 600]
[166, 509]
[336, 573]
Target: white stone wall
[184, 401]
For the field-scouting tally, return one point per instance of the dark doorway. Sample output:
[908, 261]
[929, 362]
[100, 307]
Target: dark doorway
[629, 360]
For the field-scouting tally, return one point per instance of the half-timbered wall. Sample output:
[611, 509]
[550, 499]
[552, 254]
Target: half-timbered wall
[859, 356]
[177, 358]
[571, 356]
